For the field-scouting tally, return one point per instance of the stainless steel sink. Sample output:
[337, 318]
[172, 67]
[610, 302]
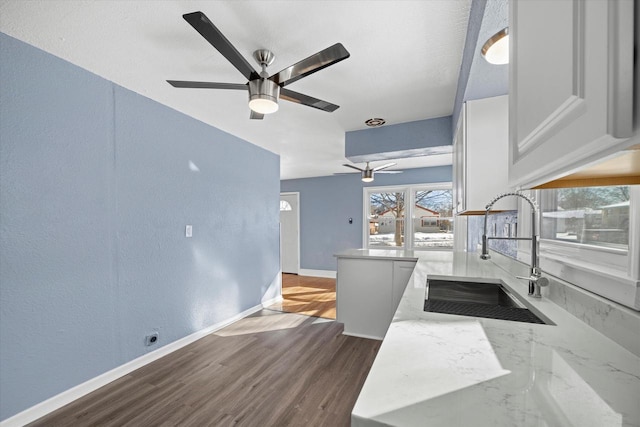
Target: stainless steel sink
[478, 299]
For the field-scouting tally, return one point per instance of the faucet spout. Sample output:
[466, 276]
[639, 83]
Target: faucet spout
[535, 275]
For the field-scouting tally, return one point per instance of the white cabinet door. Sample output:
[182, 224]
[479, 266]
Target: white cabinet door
[401, 273]
[364, 296]
[481, 148]
[459, 164]
[571, 85]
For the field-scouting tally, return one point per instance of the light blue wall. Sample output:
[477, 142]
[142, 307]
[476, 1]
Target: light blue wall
[476, 14]
[96, 186]
[421, 137]
[327, 203]
[489, 80]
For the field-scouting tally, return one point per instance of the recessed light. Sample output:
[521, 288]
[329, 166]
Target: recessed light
[375, 122]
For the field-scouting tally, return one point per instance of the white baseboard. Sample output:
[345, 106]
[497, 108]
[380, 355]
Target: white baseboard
[317, 273]
[43, 408]
[371, 337]
[264, 304]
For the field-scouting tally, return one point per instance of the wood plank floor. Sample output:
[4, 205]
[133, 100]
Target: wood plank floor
[313, 296]
[269, 369]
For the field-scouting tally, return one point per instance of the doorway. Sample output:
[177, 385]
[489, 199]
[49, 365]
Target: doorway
[290, 232]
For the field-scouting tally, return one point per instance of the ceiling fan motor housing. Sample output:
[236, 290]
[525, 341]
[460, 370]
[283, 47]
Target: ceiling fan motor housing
[261, 92]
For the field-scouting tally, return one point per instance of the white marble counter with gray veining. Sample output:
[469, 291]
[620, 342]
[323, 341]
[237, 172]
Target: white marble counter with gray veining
[445, 370]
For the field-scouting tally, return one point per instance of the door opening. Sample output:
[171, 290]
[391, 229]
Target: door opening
[290, 232]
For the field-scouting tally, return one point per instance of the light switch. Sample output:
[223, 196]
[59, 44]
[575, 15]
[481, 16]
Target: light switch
[188, 231]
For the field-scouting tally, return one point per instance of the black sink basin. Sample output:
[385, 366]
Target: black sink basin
[477, 299]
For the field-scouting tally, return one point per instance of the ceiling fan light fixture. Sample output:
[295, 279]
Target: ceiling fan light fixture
[496, 49]
[263, 105]
[367, 175]
[263, 96]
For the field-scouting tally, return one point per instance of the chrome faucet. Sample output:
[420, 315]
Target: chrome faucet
[535, 278]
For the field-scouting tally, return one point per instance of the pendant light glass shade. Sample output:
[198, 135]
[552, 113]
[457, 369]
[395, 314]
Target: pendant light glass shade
[496, 49]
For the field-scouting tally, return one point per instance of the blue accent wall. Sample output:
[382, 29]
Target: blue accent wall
[421, 137]
[97, 184]
[327, 203]
[476, 14]
[489, 80]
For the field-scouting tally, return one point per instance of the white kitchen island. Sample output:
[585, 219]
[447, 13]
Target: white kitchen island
[368, 290]
[446, 370]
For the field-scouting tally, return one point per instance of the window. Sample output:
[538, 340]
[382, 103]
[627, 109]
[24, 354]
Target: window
[428, 206]
[596, 216]
[590, 237]
[284, 205]
[432, 218]
[386, 218]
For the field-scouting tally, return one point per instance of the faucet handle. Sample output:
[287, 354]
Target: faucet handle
[538, 280]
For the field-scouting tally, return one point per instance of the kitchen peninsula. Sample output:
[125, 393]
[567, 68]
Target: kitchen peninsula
[446, 370]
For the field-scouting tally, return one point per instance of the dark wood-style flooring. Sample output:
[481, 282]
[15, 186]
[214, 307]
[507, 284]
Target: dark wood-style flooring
[313, 296]
[269, 369]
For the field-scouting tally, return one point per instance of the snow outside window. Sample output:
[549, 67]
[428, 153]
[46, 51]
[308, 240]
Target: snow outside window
[429, 207]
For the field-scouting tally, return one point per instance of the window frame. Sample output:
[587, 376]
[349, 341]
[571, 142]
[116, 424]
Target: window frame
[408, 230]
[589, 266]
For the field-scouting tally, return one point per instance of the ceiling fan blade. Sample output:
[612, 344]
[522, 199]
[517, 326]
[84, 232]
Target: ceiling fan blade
[256, 116]
[353, 167]
[207, 85]
[310, 65]
[310, 101]
[388, 165]
[388, 171]
[205, 27]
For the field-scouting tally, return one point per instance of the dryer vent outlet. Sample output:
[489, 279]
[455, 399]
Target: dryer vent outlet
[151, 339]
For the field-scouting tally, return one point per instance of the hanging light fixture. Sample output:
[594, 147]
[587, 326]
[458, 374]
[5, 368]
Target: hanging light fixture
[496, 49]
[367, 175]
[263, 96]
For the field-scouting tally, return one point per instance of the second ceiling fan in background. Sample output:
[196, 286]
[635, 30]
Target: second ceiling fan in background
[368, 171]
[264, 90]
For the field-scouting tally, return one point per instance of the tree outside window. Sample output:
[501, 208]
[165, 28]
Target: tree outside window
[589, 215]
[387, 211]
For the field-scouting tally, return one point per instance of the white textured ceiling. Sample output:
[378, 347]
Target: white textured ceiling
[404, 64]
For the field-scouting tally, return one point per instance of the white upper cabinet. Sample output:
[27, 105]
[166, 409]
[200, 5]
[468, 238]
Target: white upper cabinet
[480, 156]
[571, 85]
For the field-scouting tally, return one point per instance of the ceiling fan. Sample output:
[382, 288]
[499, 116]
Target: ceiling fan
[264, 90]
[368, 171]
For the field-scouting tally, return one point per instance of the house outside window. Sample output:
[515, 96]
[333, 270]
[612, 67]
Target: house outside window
[428, 206]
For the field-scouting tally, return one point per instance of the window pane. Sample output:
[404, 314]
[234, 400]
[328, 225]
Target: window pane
[591, 215]
[284, 205]
[386, 219]
[433, 219]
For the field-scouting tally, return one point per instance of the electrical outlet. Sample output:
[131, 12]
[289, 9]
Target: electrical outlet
[188, 231]
[151, 339]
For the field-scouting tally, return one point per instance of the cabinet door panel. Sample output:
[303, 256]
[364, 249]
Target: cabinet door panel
[459, 163]
[480, 155]
[571, 74]
[550, 85]
[364, 296]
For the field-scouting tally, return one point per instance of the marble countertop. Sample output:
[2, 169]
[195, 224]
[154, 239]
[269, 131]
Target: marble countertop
[446, 370]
